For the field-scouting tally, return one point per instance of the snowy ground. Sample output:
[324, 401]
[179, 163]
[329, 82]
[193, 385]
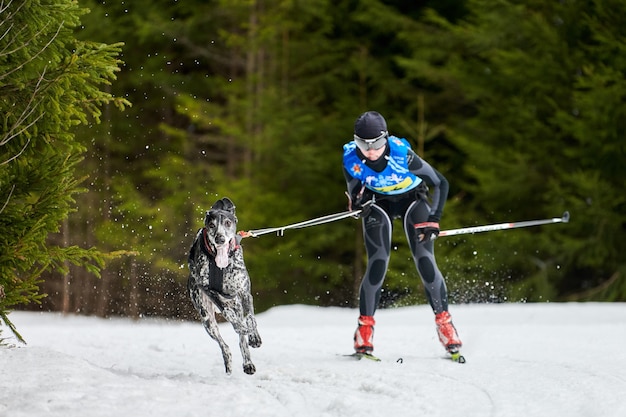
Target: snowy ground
[522, 360]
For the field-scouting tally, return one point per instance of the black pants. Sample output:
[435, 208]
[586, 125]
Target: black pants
[377, 231]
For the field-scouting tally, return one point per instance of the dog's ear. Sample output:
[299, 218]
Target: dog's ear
[207, 218]
[224, 204]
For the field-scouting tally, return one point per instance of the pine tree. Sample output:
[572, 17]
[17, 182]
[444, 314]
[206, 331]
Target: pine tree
[49, 83]
[541, 87]
[252, 100]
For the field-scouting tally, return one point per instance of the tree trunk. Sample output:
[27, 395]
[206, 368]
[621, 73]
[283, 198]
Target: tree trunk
[106, 276]
[133, 310]
[65, 304]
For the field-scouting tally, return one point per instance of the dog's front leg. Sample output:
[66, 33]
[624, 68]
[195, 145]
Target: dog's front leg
[244, 327]
[204, 305]
[254, 339]
[233, 312]
[248, 366]
[212, 328]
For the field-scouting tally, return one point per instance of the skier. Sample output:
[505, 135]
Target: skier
[387, 180]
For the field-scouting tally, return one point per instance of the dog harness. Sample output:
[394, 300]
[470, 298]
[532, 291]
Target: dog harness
[396, 178]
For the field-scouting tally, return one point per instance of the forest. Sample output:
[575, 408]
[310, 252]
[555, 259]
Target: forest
[122, 122]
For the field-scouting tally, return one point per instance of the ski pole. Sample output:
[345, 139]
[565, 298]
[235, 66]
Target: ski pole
[355, 213]
[504, 226]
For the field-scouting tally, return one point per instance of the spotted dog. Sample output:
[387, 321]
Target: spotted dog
[218, 279]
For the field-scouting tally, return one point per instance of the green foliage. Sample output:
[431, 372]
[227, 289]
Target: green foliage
[545, 99]
[518, 104]
[49, 83]
[267, 136]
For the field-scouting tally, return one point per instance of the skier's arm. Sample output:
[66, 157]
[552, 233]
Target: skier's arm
[357, 194]
[435, 180]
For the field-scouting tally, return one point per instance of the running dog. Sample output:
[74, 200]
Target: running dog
[218, 279]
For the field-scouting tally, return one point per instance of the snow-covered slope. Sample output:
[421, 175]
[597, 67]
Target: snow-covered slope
[522, 360]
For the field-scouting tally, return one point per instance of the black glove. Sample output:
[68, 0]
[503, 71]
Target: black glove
[362, 201]
[366, 208]
[427, 231]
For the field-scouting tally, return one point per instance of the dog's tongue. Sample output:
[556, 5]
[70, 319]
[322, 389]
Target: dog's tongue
[221, 258]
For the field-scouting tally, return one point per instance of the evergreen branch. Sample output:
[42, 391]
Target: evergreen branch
[5, 205]
[6, 32]
[593, 293]
[9, 135]
[3, 7]
[32, 58]
[5, 319]
[26, 113]
[10, 43]
[16, 155]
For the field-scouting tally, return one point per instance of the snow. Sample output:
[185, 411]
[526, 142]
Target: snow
[522, 360]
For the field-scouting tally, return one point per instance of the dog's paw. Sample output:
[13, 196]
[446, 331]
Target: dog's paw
[254, 340]
[249, 368]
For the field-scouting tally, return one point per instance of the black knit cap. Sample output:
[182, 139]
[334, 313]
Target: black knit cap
[370, 125]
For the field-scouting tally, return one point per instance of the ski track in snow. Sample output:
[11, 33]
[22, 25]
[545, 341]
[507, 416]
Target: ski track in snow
[522, 360]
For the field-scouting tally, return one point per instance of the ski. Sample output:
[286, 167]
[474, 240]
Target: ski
[359, 356]
[454, 357]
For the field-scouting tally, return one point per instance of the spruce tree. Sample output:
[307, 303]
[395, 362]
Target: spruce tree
[49, 83]
[540, 121]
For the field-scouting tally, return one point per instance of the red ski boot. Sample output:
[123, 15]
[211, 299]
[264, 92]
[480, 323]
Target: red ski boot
[364, 335]
[447, 332]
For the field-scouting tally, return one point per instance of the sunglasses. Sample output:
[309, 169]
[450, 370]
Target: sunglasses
[375, 143]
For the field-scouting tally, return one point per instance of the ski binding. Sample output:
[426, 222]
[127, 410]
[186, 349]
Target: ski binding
[455, 354]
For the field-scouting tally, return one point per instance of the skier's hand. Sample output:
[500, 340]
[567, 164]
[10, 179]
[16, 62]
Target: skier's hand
[366, 208]
[427, 231]
[362, 201]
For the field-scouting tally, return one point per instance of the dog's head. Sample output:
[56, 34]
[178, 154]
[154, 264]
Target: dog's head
[221, 226]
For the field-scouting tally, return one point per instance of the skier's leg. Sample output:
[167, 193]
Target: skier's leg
[424, 257]
[377, 228]
[434, 283]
